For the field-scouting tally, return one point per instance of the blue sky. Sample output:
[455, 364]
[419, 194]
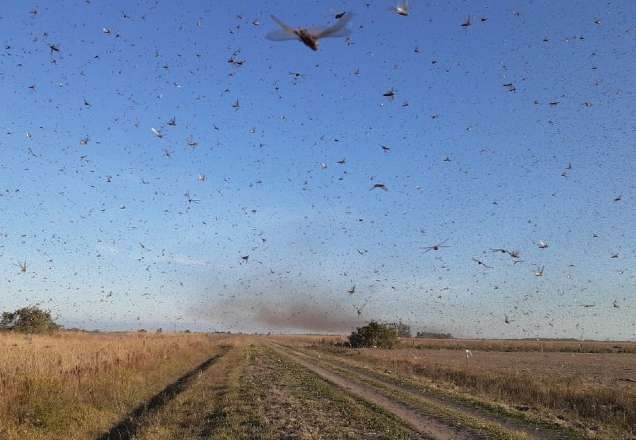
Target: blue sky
[96, 204]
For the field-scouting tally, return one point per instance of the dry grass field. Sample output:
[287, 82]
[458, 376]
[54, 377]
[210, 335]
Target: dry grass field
[561, 346]
[75, 385]
[196, 386]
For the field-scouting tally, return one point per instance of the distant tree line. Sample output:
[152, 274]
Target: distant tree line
[432, 335]
[403, 330]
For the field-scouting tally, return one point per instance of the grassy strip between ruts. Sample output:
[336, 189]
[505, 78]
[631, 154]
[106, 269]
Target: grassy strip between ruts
[240, 412]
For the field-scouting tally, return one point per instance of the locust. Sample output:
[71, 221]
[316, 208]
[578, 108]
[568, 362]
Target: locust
[310, 36]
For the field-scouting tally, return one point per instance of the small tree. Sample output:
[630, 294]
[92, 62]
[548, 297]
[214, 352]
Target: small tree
[28, 320]
[374, 335]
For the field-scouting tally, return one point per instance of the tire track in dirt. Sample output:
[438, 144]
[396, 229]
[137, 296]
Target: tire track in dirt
[531, 430]
[429, 426]
[127, 427]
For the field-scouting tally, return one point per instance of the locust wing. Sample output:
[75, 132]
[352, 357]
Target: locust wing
[282, 34]
[334, 31]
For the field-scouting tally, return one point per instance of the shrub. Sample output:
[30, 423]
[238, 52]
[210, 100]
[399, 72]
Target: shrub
[374, 335]
[28, 320]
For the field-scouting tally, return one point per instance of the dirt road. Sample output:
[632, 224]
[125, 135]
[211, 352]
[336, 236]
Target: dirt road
[258, 389]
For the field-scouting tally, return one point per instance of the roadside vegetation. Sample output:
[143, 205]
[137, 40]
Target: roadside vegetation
[69, 385]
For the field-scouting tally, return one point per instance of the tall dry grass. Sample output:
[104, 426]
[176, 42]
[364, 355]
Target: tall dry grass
[75, 385]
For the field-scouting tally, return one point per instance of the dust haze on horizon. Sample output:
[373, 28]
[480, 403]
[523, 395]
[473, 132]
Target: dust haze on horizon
[169, 166]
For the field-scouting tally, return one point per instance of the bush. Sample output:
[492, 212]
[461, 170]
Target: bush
[374, 335]
[28, 320]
